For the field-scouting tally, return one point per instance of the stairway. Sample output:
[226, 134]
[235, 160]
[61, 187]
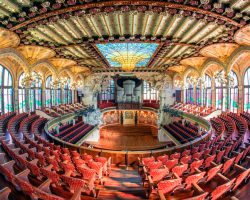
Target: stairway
[122, 184]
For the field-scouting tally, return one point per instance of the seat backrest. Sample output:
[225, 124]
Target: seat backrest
[185, 159]
[219, 156]
[74, 183]
[209, 160]
[221, 190]
[244, 175]
[213, 171]
[163, 158]
[168, 186]
[180, 169]
[238, 157]
[26, 187]
[171, 163]
[154, 165]
[195, 164]
[194, 179]
[158, 174]
[53, 176]
[227, 165]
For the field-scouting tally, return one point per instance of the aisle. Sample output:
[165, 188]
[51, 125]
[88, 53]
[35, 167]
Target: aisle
[122, 185]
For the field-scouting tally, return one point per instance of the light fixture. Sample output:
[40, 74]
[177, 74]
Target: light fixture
[223, 79]
[30, 79]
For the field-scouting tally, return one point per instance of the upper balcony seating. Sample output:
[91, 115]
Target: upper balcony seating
[105, 104]
[151, 103]
[193, 109]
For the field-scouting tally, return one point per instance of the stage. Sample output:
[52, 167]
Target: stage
[128, 137]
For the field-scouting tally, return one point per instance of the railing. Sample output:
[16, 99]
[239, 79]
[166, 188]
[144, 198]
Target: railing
[129, 157]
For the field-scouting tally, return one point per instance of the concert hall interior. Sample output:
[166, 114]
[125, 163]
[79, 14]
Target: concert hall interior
[124, 100]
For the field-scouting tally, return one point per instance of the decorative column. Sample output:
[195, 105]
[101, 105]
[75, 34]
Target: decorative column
[240, 98]
[27, 102]
[195, 93]
[62, 95]
[201, 93]
[213, 90]
[43, 95]
[227, 99]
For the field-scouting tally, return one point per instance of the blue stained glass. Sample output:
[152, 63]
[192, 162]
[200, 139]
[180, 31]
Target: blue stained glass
[116, 53]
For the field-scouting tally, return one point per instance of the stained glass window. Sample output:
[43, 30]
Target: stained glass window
[234, 96]
[207, 92]
[6, 91]
[122, 54]
[21, 95]
[149, 93]
[198, 95]
[247, 90]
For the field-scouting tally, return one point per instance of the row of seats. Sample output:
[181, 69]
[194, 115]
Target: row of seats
[193, 169]
[151, 103]
[181, 133]
[105, 104]
[55, 169]
[193, 109]
[4, 120]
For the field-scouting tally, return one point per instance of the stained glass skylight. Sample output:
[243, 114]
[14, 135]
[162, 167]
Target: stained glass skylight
[127, 55]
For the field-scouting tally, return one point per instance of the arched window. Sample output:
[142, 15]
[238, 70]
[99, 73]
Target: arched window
[35, 93]
[67, 93]
[6, 91]
[108, 94]
[49, 100]
[234, 95]
[189, 92]
[220, 91]
[207, 92]
[21, 95]
[149, 93]
[247, 90]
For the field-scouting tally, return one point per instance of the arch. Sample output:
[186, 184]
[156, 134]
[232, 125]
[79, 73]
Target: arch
[14, 54]
[208, 63]
[45, 64]
[240, 57]
[68, 72]
[234, 93]
[6, 87]
[188, 71]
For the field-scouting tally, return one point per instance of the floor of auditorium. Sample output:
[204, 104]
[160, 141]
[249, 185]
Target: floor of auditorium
[128, 137]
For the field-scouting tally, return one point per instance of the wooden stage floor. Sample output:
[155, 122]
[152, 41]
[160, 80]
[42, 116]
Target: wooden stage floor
[128, 137]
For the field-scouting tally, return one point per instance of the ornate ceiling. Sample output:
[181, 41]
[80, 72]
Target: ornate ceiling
[68, 31]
